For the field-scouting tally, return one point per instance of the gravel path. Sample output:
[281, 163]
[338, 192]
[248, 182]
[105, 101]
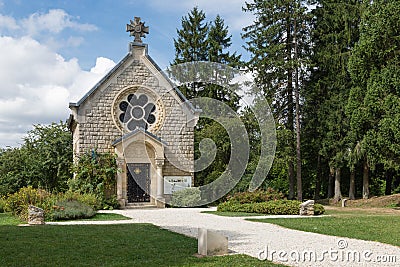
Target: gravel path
[262, 240]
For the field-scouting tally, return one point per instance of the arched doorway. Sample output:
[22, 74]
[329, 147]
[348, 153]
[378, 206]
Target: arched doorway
[140, 159]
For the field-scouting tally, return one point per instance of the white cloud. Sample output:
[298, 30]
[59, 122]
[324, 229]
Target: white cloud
[37, 85]
[74, 41]
[8, 23]
[55, 21]
[102, 65]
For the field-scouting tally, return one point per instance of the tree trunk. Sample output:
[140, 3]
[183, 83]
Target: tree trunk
[389, 180]
[338, 192]
[318, 179]
[297, 100]
[291, 179]
[352, 189]
[330, 182]
[365, 191]
[290, 117]
[396, 182]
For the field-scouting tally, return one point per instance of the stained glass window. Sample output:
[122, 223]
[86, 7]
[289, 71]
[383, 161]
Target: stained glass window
[137, 111]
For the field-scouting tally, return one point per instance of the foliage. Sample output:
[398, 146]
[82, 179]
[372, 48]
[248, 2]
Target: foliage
[218, 40]
[44, 160]
[277, 207]
[200, 40]
[374, 102]
[318, 209]
[256, 196]
[2, 204]
[13, 170]
[110, 203]
[18, 202]
[278, 41]
[87, 198]
[187, 197]
[50, 156]
[71, 210]
[94, 174]
[195, 29]
[220, 137]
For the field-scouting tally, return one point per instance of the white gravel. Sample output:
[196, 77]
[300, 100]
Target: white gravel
[290, 247]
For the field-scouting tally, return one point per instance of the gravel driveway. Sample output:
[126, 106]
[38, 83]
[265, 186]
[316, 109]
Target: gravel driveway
[263, 240]
[267, 240]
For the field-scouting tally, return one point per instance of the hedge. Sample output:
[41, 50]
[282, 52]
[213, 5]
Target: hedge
[72, 210]
[256, 196]
[277, 207]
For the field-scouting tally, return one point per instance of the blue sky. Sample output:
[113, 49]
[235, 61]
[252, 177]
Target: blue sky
[52, 52]
[109, 17]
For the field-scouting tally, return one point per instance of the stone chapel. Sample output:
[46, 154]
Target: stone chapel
[137, 112]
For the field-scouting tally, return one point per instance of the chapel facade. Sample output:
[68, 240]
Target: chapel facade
[137, 112]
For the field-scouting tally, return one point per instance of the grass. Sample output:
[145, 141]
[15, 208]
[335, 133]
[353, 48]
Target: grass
[104, 245]
[106, 217]
[360, 224]
[233, 214]
[8, 219]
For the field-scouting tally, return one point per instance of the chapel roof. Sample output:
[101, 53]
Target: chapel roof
[137, 131]
[119, 65]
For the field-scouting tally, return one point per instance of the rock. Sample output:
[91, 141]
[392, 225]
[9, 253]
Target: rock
[307, 208]
[211, 243]
[35, 215]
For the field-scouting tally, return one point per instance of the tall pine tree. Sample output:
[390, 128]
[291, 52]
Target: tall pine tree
[191, 43]
[374, 102]
[278, 43]
[334, 34]
[199, 40]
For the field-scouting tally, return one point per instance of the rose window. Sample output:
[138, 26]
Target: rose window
[137, 111]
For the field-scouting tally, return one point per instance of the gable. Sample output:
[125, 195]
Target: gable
[138, 55]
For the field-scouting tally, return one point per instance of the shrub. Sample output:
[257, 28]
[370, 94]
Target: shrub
[94, 173]
[318, 209]
[188, 197]
[110, 203]
[18, 202]
[72, 209]
[277, 207]
[2, 204]
[87, 198]
[256, 196]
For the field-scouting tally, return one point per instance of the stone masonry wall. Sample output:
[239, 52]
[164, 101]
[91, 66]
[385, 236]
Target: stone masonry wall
[97, 130]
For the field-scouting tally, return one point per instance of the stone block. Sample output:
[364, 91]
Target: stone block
[160, 203]
[307, 208]
[211, 243]
[35, 215]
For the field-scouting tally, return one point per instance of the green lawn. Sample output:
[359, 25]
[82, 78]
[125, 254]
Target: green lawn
[233, 214]
[8, 219]
[106, 217]
[358, 224]
[104, 245]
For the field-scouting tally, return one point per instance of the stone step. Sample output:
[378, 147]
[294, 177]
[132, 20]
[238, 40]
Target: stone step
[140, 205]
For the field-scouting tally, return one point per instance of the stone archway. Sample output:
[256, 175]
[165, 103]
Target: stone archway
[140, 147]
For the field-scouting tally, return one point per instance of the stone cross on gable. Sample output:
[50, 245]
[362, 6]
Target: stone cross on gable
[137, 29]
